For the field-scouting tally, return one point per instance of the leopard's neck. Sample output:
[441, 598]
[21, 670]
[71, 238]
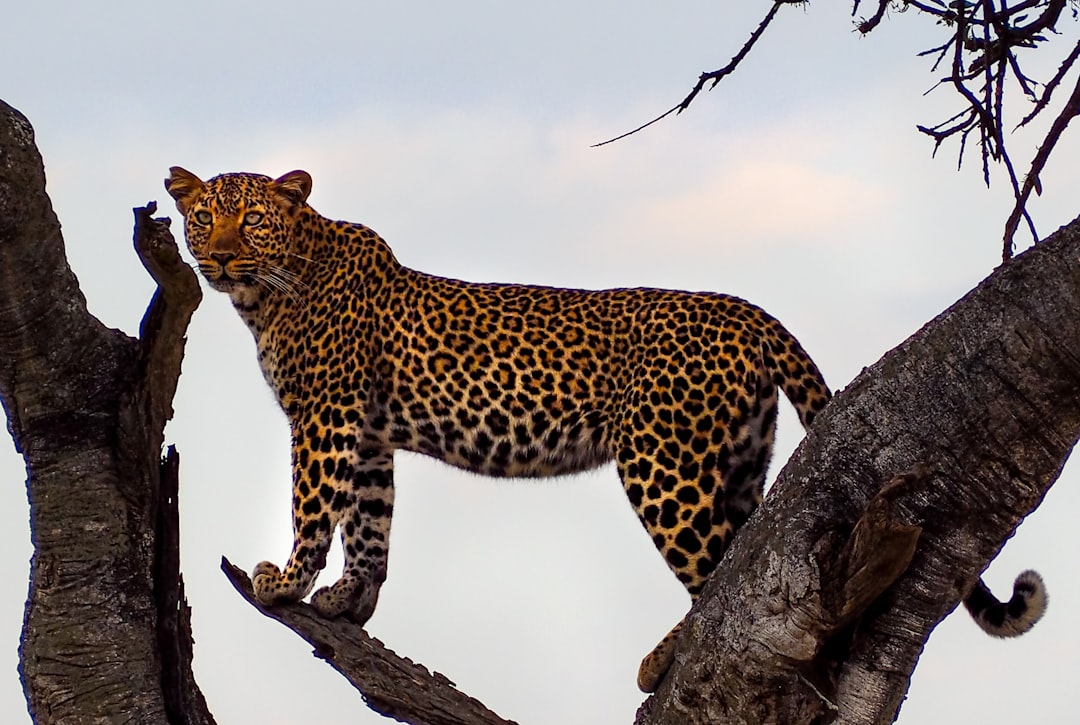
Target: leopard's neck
[327, 259]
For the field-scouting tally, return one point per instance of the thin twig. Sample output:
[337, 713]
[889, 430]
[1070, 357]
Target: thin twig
[1031, 181]
[1048, 89]
[714, 76]
[867, 25]
[942, 51]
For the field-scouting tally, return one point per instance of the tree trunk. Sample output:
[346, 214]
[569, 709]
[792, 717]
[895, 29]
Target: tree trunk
[105, 636]
[909, 484]
[971, 420]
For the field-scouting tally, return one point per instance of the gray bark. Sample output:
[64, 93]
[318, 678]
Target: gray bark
[105, 635]
[971, 421]
[909, 484]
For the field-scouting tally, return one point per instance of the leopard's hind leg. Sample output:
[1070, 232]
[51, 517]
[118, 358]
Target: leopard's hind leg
[694, 473]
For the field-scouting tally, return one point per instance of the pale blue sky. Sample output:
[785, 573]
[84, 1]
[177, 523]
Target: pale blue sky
[461, 133]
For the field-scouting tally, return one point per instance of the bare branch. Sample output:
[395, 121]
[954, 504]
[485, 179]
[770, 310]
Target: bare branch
[999, 29]
[1031, 181]
[982, 36]
[714, 76]
[1050, 87]
[868, 24]
[391, 685]
[942, 51]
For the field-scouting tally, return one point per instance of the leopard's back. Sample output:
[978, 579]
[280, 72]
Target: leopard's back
[515, 380]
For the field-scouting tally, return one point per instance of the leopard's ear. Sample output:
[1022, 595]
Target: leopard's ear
[294, 188]
[183, 186]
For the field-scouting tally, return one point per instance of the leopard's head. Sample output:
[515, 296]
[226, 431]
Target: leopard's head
[239, 227]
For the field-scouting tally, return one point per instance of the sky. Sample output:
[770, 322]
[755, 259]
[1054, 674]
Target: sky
[462, 133]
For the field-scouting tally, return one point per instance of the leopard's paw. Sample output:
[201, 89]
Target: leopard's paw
[355, 599]
[270, 586]
[327, 604]
[657, 663]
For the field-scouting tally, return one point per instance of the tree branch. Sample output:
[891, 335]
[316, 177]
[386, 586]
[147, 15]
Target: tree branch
[1031, 181]
[86, 407]
[992, 58]
[184, 702]
[987, 55]
[714, 76]
[391, 685]
[166, 320]
[971, 420]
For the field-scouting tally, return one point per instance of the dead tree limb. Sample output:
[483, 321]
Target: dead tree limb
[392, 685]
[106, 634]
[957, 434]
[908, 486]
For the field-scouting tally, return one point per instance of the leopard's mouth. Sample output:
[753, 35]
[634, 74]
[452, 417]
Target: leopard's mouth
[220, 277]
[226, 283]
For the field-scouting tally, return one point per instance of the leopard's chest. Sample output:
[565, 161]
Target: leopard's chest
[310, 345]
[275, 363]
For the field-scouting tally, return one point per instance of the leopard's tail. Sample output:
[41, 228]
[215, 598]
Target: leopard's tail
[794, 372]
[1011, 618]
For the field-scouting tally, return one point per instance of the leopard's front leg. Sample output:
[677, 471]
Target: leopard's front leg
[365, 537]
[323, 472]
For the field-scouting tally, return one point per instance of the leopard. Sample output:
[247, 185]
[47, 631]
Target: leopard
[367, 357]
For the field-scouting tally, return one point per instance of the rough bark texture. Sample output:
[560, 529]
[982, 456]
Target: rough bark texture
[909, 484]
[391, 685]
[970, 421]
[105, 636]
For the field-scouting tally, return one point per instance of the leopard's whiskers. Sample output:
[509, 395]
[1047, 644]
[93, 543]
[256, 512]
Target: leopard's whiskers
[289, 276]
[279, 279]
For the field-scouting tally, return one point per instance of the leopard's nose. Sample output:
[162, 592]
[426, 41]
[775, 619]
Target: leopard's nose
[222, 258]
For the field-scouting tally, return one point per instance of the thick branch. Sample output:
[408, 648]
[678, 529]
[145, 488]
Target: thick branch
[86, 406]
[166, 320]
[391, 685]
[184, 702]
[986, 401]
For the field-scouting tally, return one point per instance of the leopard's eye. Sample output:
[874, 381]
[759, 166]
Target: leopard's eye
[253, 218]
[203, 217]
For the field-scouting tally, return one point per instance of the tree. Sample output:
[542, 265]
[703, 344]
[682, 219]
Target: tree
[86, 406]
[906, 489]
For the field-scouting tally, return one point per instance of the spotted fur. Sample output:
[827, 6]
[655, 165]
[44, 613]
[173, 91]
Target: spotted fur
[368, 357]
[1014, 617]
